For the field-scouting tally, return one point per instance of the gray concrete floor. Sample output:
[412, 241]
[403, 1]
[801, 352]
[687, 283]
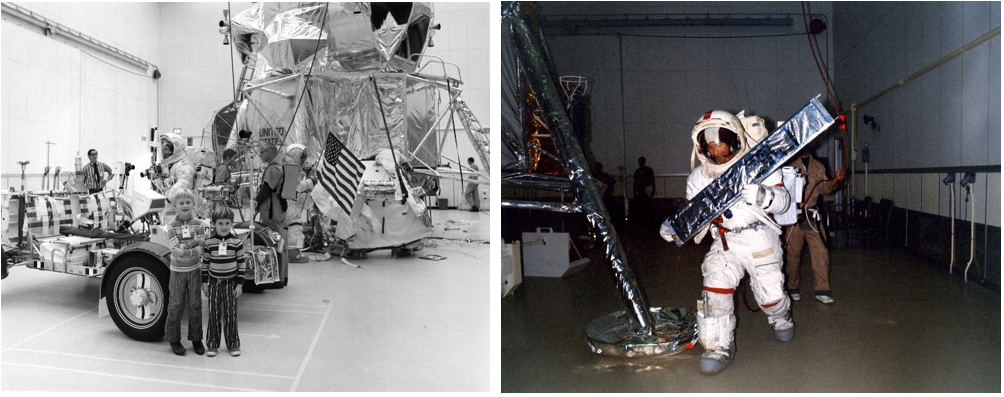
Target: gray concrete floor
[397, 324]
[898, 325]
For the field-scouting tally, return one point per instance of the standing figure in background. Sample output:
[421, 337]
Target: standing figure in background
[746, 240]
[94, 173]
[471, 193]
[297, 214]
[222, 175]
[608, 180]
[809, 228]
[269, 204]
[644, 191]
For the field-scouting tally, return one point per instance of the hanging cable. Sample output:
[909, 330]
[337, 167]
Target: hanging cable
[111, 64]
[742, 291]
[695, 37]
[837, 105]
[306, 79]
[460, 165]
[825, 83]
[397, 169]
[318, 160]
[826, 67]
[233, 76]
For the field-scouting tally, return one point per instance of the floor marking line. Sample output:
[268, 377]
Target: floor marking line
[131, 377]
[306, 358]
[280, 311]
[47, 330]
[152, 364]
[285, 304]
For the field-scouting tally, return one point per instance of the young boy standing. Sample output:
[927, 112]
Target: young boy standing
[185, 235]
[223, 275]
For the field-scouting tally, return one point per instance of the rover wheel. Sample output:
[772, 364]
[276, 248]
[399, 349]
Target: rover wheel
[137, 297]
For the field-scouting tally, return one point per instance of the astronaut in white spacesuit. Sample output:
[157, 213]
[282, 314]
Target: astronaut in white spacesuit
[174, 173]
[746, 239]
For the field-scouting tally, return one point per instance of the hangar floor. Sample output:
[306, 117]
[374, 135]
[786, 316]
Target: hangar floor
[396, 324]
[898, 325]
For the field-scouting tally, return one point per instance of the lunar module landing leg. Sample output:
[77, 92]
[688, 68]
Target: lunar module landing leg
[640, 330]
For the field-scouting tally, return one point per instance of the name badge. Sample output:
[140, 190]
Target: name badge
[222, 249]
[185, 233]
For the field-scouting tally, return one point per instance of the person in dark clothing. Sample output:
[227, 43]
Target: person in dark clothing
[270, 206]
[606, 178]
[94, 173]
[644, 191]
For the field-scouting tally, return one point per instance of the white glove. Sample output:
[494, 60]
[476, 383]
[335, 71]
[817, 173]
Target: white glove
[754, 194]
[665, 233]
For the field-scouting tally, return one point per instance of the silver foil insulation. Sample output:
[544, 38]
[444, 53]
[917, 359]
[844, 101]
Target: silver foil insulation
[762, 160]
[567, 208]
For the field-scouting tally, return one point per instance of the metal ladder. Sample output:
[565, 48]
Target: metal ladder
[246, 75]
[478, 136]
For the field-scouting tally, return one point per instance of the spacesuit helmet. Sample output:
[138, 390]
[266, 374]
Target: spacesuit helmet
[719, 137]
[294, 154]
[174, 143]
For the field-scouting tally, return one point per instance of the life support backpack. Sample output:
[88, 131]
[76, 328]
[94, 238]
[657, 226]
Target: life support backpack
[755, 127]
[794, 183]
[290, 180]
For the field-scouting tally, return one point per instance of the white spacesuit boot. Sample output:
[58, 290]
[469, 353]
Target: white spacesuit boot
[715, 330]
[784, 328]
[779, 318]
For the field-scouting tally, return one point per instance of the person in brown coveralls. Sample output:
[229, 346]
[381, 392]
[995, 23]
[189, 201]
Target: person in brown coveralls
[808, 228]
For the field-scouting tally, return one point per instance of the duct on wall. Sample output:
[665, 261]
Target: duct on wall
[52, 28]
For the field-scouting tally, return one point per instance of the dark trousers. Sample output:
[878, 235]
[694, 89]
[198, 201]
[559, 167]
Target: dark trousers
[185, 287]
[643, 210]
[222, 306]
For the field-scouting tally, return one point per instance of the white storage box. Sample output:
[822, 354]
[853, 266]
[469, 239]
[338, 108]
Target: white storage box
[545, 254]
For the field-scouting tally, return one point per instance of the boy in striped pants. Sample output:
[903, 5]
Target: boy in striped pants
[222, 277]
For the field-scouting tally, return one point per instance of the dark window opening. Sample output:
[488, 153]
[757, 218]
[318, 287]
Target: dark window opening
[379, 11]
[415, 42]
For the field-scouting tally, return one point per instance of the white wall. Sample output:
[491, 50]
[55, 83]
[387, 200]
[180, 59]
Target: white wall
[464, 40]
[948, 117]
[197, 70]
[954, 108]
[55, 92]
[668, 83]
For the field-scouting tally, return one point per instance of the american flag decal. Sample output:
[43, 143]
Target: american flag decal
[341, 172]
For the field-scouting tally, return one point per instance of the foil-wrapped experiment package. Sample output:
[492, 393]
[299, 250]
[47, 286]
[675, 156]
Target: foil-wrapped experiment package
[762, 160]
